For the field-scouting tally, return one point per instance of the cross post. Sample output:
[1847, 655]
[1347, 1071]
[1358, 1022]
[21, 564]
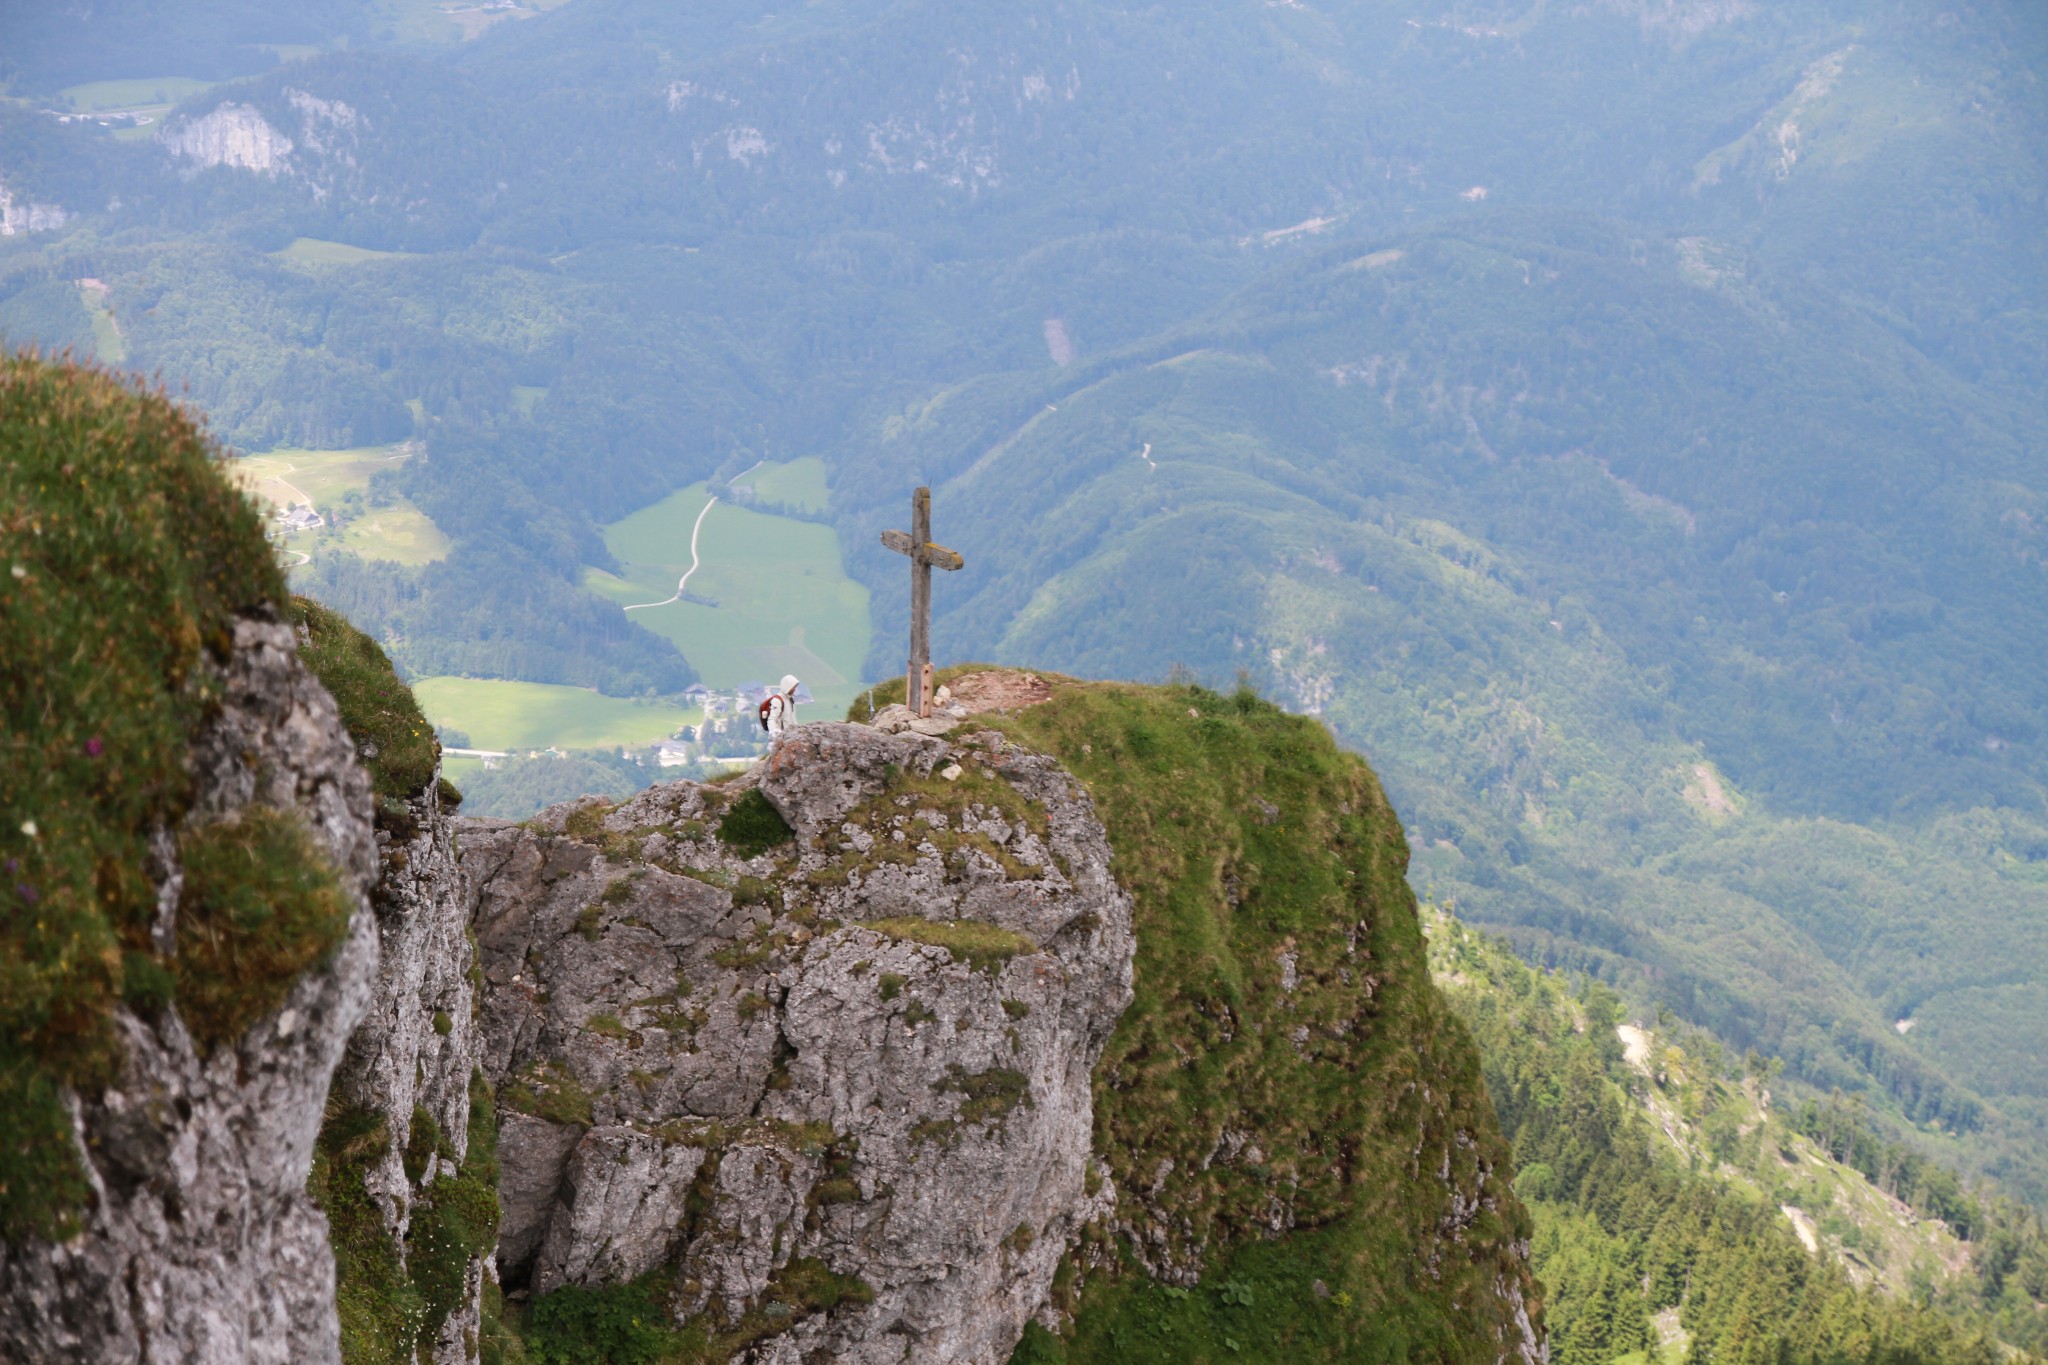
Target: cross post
[924, 556]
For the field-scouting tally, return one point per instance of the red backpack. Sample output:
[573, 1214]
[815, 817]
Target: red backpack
[761, 711]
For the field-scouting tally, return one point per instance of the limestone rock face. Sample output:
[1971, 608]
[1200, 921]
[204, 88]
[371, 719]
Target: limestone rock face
[231, 135]
[305, 137]
[416, 1048]
[19, 214]
[201, 1244]
[835, 1072]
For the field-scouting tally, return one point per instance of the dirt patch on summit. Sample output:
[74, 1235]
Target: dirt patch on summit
[998, 690]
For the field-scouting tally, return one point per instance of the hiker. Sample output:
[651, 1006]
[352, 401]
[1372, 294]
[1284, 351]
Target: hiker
[777, 714]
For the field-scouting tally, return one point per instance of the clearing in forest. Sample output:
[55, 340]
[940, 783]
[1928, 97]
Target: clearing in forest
[442, 23]
[142, 92]
[319, 251]
[798, 484]
[109, 347]
[769, 595]
[323, 480]
[133, 109]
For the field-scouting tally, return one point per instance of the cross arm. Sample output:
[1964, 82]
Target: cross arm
[938, 556]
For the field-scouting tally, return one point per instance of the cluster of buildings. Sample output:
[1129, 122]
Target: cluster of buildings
[105, 118]
[298, 517]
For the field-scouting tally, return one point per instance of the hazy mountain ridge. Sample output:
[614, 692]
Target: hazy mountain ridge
[1539, 700]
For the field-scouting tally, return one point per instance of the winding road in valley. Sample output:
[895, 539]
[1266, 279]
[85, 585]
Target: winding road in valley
[684, 581]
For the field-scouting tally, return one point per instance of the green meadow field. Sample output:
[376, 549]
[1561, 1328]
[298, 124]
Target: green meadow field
[460, 770]
[799, 484]
[108, 346]
[287, 476]
[784, 603]
[399, 531]
[318, 251]
[144, 92]
[515, 716]
[149, 96]
[433, 23]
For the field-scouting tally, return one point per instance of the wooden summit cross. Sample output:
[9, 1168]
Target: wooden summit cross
[923, 557]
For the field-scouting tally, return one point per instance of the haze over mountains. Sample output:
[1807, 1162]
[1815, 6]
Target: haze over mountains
[1623, 422]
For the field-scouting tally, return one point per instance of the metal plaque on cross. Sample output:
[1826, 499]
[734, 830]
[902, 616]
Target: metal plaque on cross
[924, 557]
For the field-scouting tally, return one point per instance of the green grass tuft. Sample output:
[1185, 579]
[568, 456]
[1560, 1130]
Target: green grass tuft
[625, 1324]
[981, 945]
[125, 557]
[549, 1092]
[752, 826]
[379, 1308]
[1281, 992]
[455, 1218]
[629, 1324]
[422, 1142]
[259, 907]
[392, 1304]
[986, 1096]
[393, 738]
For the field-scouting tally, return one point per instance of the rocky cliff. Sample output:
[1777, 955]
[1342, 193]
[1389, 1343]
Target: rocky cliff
[21, 214]
[187, 942]
[1304, 1161]
[924, 1044]
[200, 1242]
[219, 805]
[405, 1163]
[1081, 1022]
[813, 1047]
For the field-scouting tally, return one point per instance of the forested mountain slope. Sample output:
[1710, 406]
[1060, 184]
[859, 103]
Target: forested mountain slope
[1508, 505]
[1686, 1206]
[1623, 420]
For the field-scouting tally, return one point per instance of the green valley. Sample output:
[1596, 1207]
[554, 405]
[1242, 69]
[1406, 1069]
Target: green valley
[371, 521]
[313, 251]
[767, 595]
[1633, 714]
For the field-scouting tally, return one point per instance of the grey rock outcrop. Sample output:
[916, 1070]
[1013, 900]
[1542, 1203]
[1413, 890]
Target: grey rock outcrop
[201, 1244]
[840, 1083]
[232, 134]
[412, 1057]
[20, 214]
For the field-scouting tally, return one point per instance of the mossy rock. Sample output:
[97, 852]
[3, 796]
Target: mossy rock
[393, 1301]
[259, 907]
[752, 825]
[983, 946]
[125, 557]
[1281, 992]
[393, 737]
